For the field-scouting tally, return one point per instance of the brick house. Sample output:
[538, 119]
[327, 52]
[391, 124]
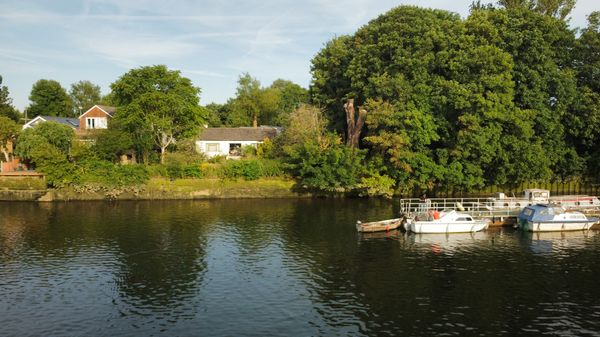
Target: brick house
[96, 117]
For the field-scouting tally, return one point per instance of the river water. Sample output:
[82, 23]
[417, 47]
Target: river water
[282, 268]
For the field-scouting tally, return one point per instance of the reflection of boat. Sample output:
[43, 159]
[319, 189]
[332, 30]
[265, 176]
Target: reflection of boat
[395, 234]
[541, 218]
[447, 242]
[378, 226]
[553, 242]
[445, 222]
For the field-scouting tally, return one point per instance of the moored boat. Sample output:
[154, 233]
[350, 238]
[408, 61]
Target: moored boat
[379, 226]
[445, 222]
[552, 217]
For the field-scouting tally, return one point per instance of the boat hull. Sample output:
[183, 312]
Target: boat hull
[379, 226]
[555, 226]
[439, 227]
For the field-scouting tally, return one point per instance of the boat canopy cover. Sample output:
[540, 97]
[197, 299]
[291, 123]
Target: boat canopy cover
[540, 212]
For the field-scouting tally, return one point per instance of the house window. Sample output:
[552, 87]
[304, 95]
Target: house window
[212, 147]
[235, 149]
[95, 123]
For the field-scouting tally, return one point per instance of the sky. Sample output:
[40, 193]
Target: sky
[210, 42]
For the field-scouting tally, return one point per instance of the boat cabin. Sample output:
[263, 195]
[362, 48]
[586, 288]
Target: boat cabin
[544, 212]
[536, 195]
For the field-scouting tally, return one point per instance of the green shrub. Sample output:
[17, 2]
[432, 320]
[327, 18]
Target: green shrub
[266, 149]
[249, 151]
[271, 168]
[157, 170]
[192, 171]
[106, 173]
[50, 161]
[250, 169]
[217, 159]
[336, 168]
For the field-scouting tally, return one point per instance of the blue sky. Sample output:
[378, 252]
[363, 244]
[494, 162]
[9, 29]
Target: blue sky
[210, 42]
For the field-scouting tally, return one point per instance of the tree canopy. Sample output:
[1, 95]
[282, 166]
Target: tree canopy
[464, 102]
[254, 104]
[157, 106]
[49, 98]
[84, 95]
[6, 107]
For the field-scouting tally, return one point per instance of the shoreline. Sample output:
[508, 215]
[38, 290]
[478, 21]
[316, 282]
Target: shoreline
[165, 189]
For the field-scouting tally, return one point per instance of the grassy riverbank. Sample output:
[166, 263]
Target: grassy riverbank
[164, 189]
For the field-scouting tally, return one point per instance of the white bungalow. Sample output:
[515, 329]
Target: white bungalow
[230, 141]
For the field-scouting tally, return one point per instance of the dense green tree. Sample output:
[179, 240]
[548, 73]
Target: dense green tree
[55, 134]
[111, 143]
[9, 130]
[583, 125]
[6, 107]
[48, 98]
[84, 95]
[306, 124]
[216, 114]
[336, 168]
[555, 8]
[290, 97]
[159, 106]
[252, 104]
[331, 82]
[545, 83]
[457, 102]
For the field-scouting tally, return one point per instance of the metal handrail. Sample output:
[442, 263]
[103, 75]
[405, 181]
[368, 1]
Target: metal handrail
[482, 207]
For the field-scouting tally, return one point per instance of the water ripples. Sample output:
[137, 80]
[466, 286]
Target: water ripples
[281, 268]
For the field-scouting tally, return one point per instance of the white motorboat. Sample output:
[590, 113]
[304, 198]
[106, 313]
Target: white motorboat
[547, 218]
[448, 221]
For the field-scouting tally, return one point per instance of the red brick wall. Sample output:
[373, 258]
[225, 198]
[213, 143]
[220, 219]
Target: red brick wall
[95, 112]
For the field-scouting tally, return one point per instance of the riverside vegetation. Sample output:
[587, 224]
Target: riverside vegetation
[509, 94]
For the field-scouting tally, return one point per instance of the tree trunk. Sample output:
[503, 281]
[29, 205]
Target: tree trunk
[355, 125]
[164, 141]
[162, 155]
[6, 154]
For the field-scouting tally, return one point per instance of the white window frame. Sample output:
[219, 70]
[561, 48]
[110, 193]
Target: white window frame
[95, 123]
[210, 147]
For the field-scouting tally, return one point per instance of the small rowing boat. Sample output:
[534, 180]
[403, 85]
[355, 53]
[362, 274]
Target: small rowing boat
[379, 226]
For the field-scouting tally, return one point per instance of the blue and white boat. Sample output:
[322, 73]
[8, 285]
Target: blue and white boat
[550, 217]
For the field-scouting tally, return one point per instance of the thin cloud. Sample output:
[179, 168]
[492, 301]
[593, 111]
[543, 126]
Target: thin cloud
[205, 73]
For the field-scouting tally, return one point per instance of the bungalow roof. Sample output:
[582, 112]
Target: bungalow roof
[238, 134]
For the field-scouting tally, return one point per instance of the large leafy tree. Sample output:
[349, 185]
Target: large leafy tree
[252, 104]
[84, 95]
[49, 98]
[9, 131]
[584, 124]
[6, 107]
[544, 80]
[157, 106]
[59, 136]
[486, 100]
[439, 98]
[48, 145]
[291, 96]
